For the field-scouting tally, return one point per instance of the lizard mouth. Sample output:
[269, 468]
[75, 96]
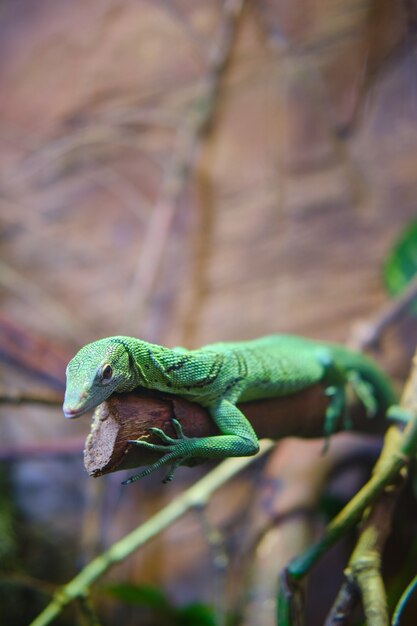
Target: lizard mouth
[71, 413]
[75, 406]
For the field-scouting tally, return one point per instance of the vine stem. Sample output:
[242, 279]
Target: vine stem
[195, 496]
[403, 601]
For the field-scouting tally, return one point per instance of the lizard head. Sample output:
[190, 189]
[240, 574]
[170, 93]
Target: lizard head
[97, 370]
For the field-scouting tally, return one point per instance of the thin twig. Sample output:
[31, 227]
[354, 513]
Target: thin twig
[368, 334]
[139, 116]
[64, 151]
[345, 602]
[199, 41]
[119, 186]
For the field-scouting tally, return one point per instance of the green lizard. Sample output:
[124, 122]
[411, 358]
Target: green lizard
[218, 376]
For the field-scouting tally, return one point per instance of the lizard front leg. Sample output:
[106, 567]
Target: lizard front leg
[237, 439]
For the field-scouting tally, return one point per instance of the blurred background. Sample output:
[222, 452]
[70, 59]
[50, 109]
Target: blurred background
[188, 172]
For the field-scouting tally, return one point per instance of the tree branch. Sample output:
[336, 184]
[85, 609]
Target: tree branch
[129, 416]
[368, 334]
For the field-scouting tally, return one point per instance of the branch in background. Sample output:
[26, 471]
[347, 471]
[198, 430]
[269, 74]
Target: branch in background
[64, 152]
[129, 416]
[344, 605]
[120, 187]
[179, 170]
[17, 396]
[200, 42]
[368, 334]
[33, 353]
[69, 446]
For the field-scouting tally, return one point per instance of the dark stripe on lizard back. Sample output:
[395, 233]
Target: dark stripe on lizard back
[211, 376]
[178, 364]
[132, 361]
[242, 365]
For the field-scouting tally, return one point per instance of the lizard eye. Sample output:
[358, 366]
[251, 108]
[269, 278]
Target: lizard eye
[106, 373]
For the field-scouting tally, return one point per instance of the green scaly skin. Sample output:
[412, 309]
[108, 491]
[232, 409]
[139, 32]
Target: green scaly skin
[218, 376]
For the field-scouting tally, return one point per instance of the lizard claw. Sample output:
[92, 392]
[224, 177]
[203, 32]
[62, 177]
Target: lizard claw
[170, 441]
[171, 472]
[147, 444]
[166, 438]
[161, 434]
[178, 429]
[167, 458]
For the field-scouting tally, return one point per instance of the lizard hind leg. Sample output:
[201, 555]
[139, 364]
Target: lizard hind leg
[334, 378]
[335, 410]
[364, 391]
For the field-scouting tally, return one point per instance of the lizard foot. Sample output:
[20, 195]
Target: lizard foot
[176, 451]
[164, 437]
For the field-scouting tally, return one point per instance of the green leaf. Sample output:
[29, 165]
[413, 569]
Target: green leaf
[144, 595]
[401, 264]
[195, 614]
